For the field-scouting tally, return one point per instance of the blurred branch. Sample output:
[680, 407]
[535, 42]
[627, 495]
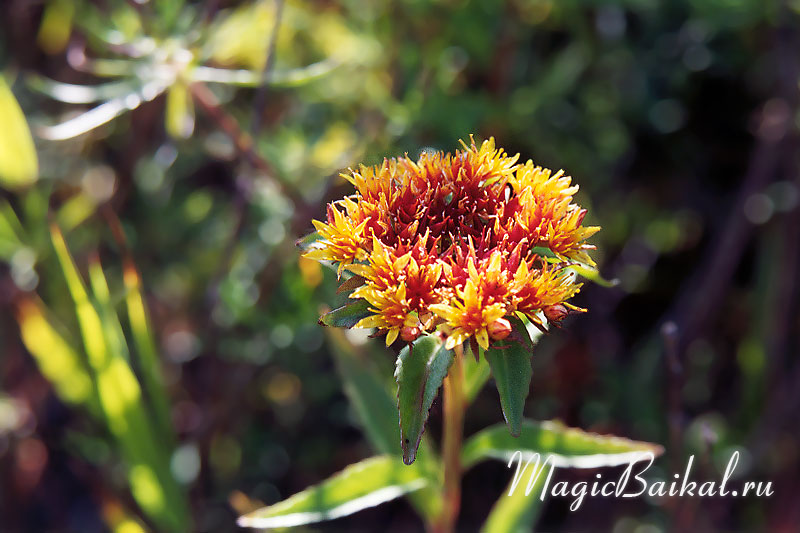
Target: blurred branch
[261, 93]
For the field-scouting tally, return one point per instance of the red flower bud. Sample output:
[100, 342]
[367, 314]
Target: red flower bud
[555, 313]
[410, 333]
[499, 329]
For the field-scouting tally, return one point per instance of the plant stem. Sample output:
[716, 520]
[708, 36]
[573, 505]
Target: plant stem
[454, 404]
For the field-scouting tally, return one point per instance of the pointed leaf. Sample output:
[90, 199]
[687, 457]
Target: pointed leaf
[19, 166]
[570, 447]
[359, 486]
[346, 316]
[421, 368]
[511, 368]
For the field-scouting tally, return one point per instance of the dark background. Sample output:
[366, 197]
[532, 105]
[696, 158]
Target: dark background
[679, 120]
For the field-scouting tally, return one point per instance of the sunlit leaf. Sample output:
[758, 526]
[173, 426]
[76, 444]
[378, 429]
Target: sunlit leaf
[179, 111]
[346, 316]
[518, 511]
[11, 231]
[357, 487]
[570, 447]
[19, 166]
[58, 360]
[421, 368]
[276, 78]
[56, 26]
[101, 114]
[121, 401]
[80, 94]
[148, 357]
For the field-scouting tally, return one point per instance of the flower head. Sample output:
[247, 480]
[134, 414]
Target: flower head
[457, 243]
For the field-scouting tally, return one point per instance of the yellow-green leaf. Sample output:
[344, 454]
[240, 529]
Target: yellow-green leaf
[18, 164]
[357, 487]
[570, 447]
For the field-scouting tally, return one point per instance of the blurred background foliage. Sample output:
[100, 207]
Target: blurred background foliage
[185, 146]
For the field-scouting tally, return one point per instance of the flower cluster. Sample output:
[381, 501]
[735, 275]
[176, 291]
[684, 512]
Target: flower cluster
[457, 243]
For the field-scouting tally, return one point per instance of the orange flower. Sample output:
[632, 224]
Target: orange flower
[452, 243]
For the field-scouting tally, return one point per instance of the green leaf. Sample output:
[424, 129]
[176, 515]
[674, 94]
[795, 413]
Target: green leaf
[421, 368]
[179, 113]
[121, 402]
[346, 316]
[516, 511]
[511, 367]
[57, 359]
[570, 447]
[145, 343]
[357, 487]
[367, 393]
[377, 412]
[19, 166]
[476, 374]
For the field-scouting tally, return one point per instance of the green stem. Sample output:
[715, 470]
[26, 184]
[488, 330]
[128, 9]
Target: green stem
[454, 404]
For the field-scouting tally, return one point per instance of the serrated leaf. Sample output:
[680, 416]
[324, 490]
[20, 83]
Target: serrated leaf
[19, 166]
[511, 368]
[357, 487]
[570, 447]
[421, 368]
[346, 316]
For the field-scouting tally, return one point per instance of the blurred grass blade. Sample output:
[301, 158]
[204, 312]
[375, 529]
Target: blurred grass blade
[357, 487]
[75, 210]
[58, 361]
[19, 166]
[518, 512]
[368, 395]
[115, 339]
[120, 395]
[56, 26]
[144, 341]
[377, 412]
[570, 447]
[179, 115]
[11, 231]
[277, 78]
[346, 316]
[80, 94]
[421, 368]
[101, 114]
